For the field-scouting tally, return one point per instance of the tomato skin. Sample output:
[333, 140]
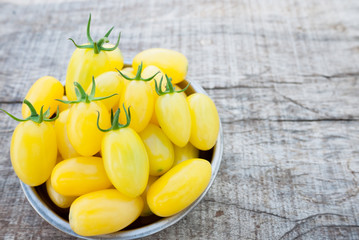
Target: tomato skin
[63, 106]
[126, 161]
[108, 83]
[205, 121]
[179, 187]
[63, 143]
[82, 129]
[174, 117]
[184, 153]
[78, 176]
[85, 64]
[171, 62]
[146, 211]
[159, 149]
[33, 151]
[103, 212]
[138, 95]
[58, 199]
[43, 93]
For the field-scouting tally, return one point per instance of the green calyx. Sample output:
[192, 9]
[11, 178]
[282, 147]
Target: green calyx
[82, 96]
[97, 46]
[38, 118]
[169, 87]
[115, 125]
[138, 76]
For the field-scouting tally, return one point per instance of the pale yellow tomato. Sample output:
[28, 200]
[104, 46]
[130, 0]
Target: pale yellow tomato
[159, 149]
[58, 199]
[103, 212]
[108, 83]
[179, 187]
[185, 153]
[63, 143]
[171, 62]
[126, 161]
[205, 121]
[43, 93]
[78, 176]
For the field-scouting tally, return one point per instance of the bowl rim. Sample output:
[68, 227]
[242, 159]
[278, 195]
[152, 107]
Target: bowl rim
[56, 221]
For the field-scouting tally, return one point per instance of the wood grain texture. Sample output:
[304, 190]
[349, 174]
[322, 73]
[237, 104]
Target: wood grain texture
[283, 74]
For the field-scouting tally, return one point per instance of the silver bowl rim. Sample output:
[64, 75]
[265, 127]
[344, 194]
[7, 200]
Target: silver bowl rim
[52, 218]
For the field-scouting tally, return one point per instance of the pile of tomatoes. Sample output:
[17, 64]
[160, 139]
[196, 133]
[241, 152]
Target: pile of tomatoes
[122, 142]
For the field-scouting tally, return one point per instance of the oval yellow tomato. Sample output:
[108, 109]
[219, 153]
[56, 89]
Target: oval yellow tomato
[138, 94]
[43, 93]
[205, 121]
[159, 149]
[33, 151]
[179, 187]
[81, 127]
[184, 153]
[108, 83]
[171, 62]
[78, 176]
[126, 161]
[146, 211]
[58, 199]
[63, 143]
[174, 117]
[103, 212]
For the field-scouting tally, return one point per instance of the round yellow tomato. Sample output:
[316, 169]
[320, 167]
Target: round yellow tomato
[174, 117]
[205, 121]
[184, 153]
[146, 211]
[78, 176]
[81, 127]
[138, 94]
[33, 151]
[179, 187]
[126, 161]
[103, 212]
[63, 143]
[171, 62]
[43, 93]
[159, 149]
[58, 199]
[108, 83]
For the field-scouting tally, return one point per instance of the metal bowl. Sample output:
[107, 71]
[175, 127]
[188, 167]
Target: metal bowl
[143, 226]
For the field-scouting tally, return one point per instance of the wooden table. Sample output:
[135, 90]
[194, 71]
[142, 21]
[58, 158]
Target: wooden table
[283, 74]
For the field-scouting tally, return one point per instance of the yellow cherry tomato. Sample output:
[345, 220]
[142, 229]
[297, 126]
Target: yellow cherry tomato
[128, 70]
[63, 143]
[63, 106]
[103, 212]
[78, 176]
[159, 149]
[185, 153]
[171, 62]
[174, 117]
[108, 83]
[43, 93]
[33, 151]
[146, 211]
[126, 161]
[58, 199]
[81, 127]
[205, 121]
[138, 94]
[179, 187]
[91, 60]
